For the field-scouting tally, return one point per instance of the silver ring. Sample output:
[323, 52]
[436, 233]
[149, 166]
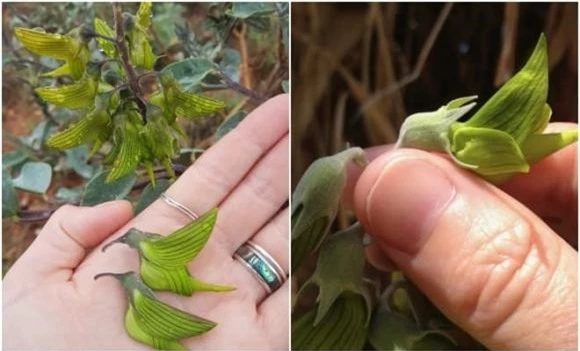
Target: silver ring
[262, 266]
[173, 203]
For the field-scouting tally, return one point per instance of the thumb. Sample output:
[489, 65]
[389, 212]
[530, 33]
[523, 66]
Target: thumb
[63, 242]
[486, 261]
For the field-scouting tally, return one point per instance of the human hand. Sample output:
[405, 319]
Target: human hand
[488, 262]
[51, 300]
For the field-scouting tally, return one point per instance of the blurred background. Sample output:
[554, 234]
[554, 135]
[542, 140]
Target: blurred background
[395, 59]
[247, 41]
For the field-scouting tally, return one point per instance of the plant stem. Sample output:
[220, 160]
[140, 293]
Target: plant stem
[123, 51]
[240, 88]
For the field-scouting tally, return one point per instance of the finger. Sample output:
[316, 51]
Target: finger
[275, 318]
[219, 170]
[485, 260]
[257, 198]
[353, 172]
[63, 242]
[273, 238]
[551, 188]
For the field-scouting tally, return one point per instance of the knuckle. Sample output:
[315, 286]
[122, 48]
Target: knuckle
[509, 262]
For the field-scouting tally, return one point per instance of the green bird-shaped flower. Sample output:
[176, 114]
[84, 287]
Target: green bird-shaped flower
[164, 259]
[160, 142]
[136, 27]
[176, 102]
[93, 128]
[505, 136]
[69, 48]
[80, 94]
[127, 147]
[152, 322]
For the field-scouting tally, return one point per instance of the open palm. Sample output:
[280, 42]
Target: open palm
[51, 301]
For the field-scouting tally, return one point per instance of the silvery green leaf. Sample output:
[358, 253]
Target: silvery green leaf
[34, 177]
[245, 10]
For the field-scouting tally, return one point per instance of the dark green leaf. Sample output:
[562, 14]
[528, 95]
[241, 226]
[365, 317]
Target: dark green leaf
[190, 72]
[9, 197]
[34, 177]
[244, 10]
[151, 194]
[98, 191]
[71, 195]
[229, 124]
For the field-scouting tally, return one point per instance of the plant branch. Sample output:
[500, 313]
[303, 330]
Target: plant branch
[123, 51]
[240, 88]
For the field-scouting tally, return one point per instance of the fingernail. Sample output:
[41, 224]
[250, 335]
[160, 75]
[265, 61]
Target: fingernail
[405, 202]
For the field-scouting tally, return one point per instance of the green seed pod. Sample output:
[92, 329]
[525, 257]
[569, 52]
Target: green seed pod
[153, 322]
[70, 48]
[316, 199]
[344, 327]
[164, 259]
[504, 137]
